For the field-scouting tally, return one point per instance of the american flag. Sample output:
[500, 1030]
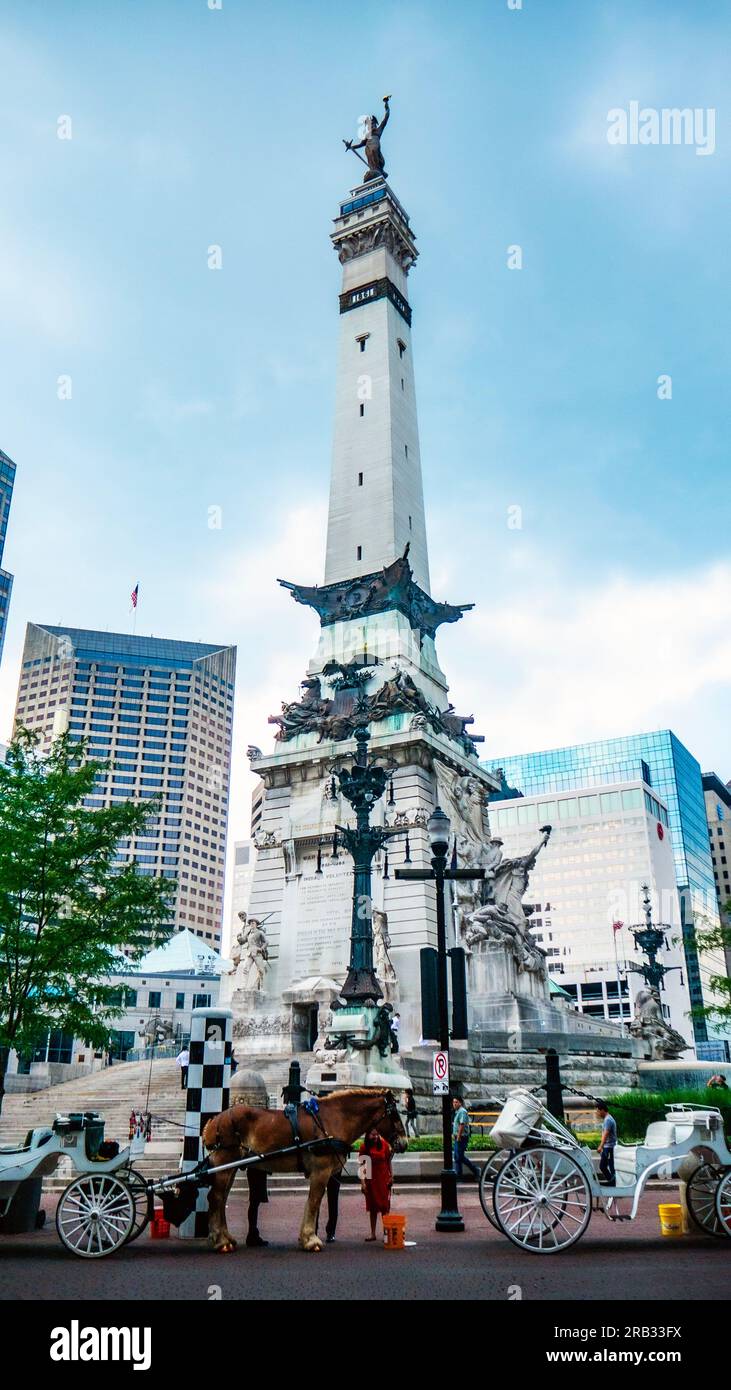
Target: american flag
[134, 594]
[617, 926]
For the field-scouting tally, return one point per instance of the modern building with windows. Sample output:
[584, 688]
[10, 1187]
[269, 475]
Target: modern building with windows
[668, 769]
[607, 843]
[160, 712]
[7, 482]
[718, 815]
[163, 988]
[156, 995]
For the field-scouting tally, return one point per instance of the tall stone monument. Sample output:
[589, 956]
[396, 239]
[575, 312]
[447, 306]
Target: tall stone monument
[375, 661]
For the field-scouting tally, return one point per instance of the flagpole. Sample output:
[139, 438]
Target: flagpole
[615, 929]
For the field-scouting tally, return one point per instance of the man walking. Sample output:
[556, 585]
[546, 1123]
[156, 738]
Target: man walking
[410, 1106]
[461, 1138]
[183, 1061]
[607, 1144]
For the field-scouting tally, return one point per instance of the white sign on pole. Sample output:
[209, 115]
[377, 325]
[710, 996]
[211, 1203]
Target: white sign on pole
[440, 1074]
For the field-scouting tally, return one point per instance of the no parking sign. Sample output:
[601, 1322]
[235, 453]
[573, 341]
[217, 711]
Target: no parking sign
[440, 1074]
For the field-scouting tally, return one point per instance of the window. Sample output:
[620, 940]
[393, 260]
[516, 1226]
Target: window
[180, 1001]
[359, 553]
[154, 998]
[401, 347]
[362, 409]
[360, 480]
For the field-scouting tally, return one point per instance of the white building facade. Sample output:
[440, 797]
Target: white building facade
[606, 843]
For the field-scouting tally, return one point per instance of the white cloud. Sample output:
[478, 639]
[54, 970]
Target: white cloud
[555, 664]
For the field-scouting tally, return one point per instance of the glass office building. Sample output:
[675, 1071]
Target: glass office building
[7, 481]
[160, 712]
[661, 761]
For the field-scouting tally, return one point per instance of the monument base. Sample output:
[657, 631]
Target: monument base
[354, 1057]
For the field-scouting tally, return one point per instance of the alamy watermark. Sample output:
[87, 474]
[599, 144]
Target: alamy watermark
[667, 125]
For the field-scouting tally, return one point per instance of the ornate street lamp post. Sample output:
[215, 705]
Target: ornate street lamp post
[362, 785]
[449, 1218]
[650, 939]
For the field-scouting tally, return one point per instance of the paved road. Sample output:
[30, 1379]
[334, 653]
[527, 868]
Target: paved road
[629, 1261]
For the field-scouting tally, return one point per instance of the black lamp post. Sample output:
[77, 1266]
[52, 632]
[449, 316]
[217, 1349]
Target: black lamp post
[650, 938]
[449, 1218]
[362, 785]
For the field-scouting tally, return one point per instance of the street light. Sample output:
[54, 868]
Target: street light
[438, 829]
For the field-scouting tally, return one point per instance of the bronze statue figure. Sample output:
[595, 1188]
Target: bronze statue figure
[372, 144]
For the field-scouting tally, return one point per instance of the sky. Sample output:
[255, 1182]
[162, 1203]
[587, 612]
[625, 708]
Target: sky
[584, 395]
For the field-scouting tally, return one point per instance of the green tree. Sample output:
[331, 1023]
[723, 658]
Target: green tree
[716, 937]
[65, 911]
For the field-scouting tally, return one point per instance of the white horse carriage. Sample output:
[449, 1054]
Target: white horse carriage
[105, 1207]
[541, 1185]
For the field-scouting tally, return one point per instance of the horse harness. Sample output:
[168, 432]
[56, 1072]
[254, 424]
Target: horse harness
[312, 1108]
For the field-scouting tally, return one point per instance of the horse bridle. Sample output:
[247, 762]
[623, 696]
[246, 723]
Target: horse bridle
[390, 1111]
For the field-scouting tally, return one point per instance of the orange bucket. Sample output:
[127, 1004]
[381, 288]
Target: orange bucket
[394, 1231]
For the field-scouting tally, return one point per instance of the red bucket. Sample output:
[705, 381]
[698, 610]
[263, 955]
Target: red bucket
[159, 1227]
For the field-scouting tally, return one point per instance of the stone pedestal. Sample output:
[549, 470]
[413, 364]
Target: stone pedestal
[264, 1025]
[354, 1064]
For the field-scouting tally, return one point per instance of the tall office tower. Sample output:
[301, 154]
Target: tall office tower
[161, 712]
[718, 815]
[7, 480]
[607, 843]
[662, 762]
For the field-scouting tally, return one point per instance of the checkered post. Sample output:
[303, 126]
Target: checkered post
[209, 1075]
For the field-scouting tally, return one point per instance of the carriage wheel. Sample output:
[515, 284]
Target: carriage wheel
[487, 1184]
[95, 1215]
[137, 1186]
[700, 1195]
[723, 1203]
[542, 1200]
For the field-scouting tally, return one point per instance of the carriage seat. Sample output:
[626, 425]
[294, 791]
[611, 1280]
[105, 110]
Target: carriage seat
[625, 1163]
[660, 1135]
[34, 1139]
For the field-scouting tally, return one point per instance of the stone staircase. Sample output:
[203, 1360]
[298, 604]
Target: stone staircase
[114, 1092]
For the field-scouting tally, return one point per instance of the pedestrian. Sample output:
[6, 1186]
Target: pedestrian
[332, 1192]
[258, 1196]
[717, 1083]
[183, 1061]
[376, 1180]
[607, 1144]
[410, 1104]
[461, 1138]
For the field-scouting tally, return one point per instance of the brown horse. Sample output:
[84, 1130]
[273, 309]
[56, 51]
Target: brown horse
[242, 1130]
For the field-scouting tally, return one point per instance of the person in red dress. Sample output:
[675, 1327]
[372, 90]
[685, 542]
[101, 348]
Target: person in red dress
[374, 1170]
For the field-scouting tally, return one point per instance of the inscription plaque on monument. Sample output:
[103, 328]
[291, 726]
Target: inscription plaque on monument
[322, 939]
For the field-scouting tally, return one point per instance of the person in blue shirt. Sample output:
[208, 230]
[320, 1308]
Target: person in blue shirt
[607, 1144]
[461, 1138]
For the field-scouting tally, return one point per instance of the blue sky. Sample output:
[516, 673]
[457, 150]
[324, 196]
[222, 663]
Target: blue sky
[610, 610]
